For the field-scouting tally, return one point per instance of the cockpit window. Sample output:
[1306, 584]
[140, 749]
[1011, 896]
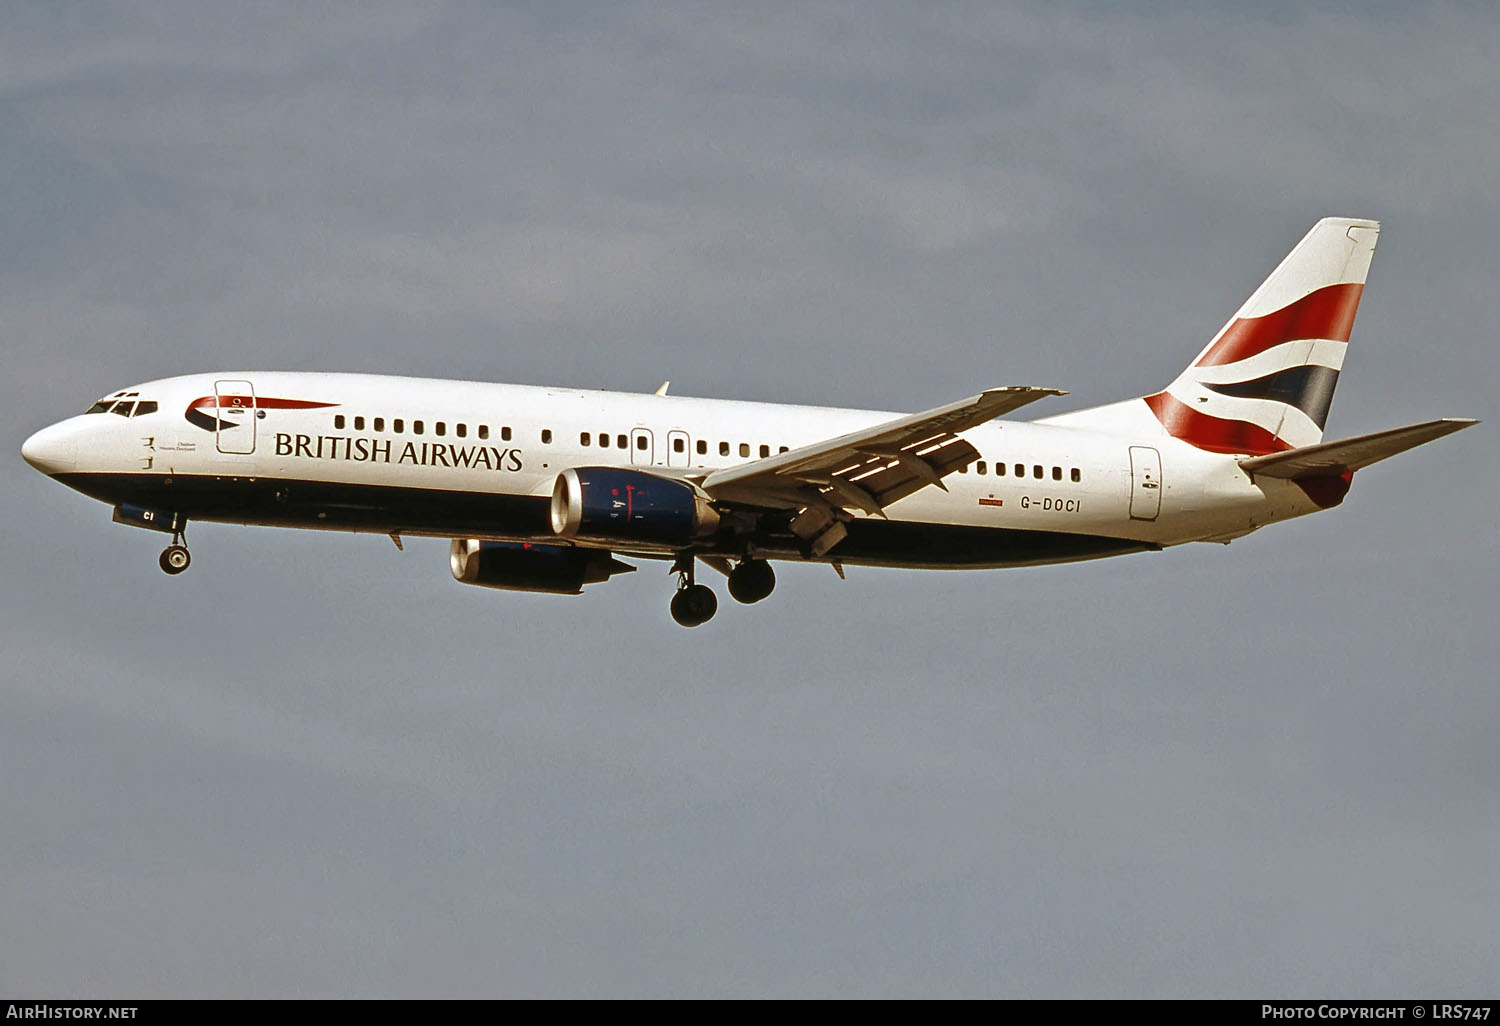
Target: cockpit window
[127, 407]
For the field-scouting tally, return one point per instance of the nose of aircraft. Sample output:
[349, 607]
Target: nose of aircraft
[50, 450]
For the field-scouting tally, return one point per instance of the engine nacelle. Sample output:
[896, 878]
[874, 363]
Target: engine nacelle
[555, 569]
[629, 506]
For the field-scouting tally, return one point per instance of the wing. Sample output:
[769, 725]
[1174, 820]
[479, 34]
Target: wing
[870, 469]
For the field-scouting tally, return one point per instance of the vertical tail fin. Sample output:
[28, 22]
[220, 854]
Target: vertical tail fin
[1265, 382]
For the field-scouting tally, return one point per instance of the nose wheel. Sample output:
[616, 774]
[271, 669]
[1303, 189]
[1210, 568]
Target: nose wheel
[694, 604]
[175, 558]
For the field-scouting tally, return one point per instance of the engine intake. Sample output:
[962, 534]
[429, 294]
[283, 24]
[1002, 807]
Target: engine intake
[513, 566]
[629, 506]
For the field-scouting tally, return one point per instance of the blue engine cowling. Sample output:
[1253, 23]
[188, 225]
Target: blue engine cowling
[513, 566]
[629, 506]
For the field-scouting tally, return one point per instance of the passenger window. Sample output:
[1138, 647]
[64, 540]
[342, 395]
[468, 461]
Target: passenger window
[484, 431]
[1037, 471]
[416, 427]
[765, 451]
[505, 434]
[1057, 473]
[441, 428]
[359, 423]
[338, 422]
[1020, 470]
[461, 430]
[143, 408]
[1076, 475]
[783, 449]
[583, 438]
[979, 467]
[379, 423]
[398, 425]
[723, 448]
[603, 440]
[702, 447]
[640, 442]
[621, 442]
[744, 448]
[999, 469]
[546, 436]
[678, 445]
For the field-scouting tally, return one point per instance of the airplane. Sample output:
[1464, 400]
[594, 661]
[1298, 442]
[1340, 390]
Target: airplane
[541, 489]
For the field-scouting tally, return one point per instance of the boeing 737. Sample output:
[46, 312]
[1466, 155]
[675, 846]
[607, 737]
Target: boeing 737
[541, 489]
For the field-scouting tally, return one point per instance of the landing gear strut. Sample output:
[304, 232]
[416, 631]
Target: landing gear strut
[175, 557]
[694, 604]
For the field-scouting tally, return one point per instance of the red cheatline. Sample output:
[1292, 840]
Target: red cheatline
[209, 402]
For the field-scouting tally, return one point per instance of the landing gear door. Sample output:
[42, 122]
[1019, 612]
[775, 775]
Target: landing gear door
[235, 416]
[1145, 482]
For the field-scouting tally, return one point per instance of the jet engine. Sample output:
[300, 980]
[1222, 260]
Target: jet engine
[514, 566]
[627, 506]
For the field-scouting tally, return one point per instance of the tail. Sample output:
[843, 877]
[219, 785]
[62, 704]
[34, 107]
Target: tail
[1265, 383]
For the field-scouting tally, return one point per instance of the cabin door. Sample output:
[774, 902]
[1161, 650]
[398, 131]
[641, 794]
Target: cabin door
[234, 416]
[1145, 482]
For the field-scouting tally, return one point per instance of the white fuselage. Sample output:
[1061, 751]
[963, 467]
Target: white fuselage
[468, 459]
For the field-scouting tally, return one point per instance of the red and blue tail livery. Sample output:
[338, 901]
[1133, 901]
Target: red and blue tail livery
[1265, 383]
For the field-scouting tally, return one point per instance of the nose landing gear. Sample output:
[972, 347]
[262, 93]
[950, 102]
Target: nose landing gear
[694, 604]
[175, 557]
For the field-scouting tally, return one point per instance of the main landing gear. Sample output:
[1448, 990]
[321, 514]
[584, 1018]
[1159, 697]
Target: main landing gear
[750, 580]
[175, 557]
[694, 603]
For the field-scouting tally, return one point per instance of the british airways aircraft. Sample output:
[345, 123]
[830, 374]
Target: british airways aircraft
[540, 489]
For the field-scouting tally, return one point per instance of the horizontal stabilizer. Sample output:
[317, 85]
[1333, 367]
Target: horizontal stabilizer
[1349, 454]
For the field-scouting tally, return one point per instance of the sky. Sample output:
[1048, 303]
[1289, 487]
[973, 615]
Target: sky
[314, 766]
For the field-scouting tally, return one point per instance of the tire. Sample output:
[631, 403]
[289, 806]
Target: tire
[694, 605]
[751, 581]
[175, 559]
